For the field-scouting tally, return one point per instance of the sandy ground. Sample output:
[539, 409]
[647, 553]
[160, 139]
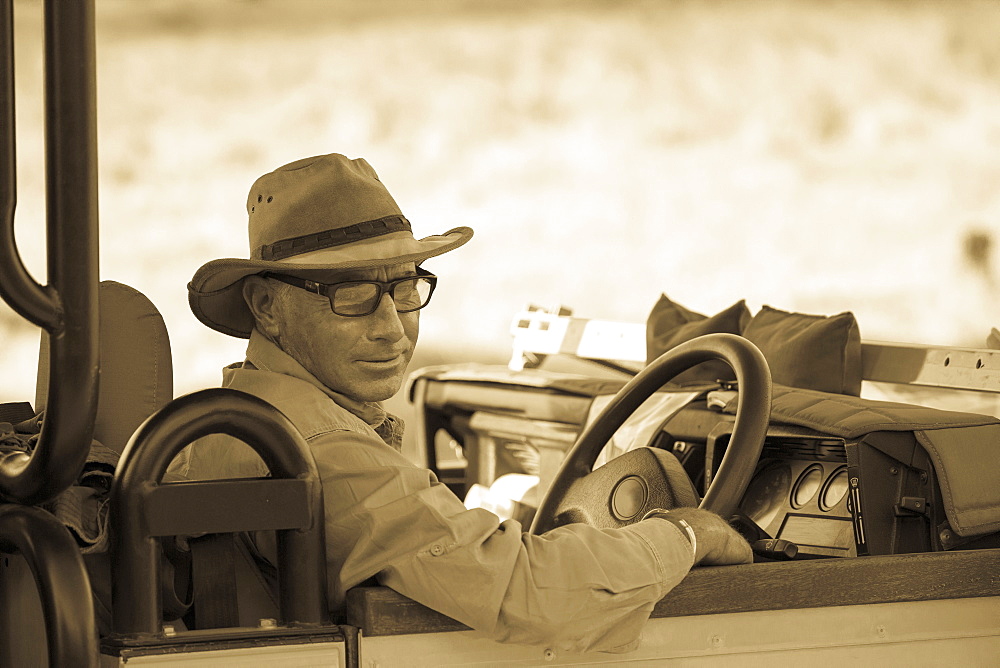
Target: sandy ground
[814, 156]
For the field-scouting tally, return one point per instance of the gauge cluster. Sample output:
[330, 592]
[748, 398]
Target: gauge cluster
[800, 492]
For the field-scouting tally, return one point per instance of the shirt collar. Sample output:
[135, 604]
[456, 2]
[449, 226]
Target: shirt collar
[266, 356]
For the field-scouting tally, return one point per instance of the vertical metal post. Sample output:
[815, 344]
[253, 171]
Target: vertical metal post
[67, 307]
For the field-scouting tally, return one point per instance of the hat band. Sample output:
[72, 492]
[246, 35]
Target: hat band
[368, 229]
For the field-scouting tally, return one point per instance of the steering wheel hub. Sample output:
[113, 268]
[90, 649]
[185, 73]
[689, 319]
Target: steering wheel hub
[629, 497]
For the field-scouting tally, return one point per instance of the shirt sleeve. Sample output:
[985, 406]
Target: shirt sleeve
[574, 588]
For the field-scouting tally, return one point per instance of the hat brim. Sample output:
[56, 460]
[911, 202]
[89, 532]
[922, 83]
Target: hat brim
[215, 293]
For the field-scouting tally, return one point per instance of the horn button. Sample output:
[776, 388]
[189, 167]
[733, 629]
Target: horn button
[629, 497]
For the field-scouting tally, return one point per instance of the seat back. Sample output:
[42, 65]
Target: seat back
[136, 366]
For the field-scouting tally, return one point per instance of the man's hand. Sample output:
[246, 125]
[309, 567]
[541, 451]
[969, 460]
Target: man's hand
[718, 543]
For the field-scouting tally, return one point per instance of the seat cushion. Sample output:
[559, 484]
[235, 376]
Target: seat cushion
[812, 352]
[669, 324]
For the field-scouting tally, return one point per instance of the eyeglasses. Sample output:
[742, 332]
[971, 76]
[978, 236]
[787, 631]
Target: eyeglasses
[355, 299]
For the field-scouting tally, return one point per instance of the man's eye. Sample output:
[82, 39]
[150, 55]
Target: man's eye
[406, 295]
[356, 294]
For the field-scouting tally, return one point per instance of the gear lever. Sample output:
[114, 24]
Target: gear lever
[760, 542]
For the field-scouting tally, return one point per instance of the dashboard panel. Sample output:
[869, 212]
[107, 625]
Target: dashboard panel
[800, 492]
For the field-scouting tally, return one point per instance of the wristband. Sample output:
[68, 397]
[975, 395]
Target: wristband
[682, 524]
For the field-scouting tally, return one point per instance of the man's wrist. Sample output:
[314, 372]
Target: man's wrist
[681, 524]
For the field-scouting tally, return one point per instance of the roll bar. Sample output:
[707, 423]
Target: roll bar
[143, 507]
[61, 577]
[67, 307]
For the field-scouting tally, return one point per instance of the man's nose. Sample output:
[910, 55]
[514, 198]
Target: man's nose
[385, 321]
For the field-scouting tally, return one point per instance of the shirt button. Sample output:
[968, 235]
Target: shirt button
[437, 550]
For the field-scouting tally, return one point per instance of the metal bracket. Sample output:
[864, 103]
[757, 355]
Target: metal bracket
[911, 505]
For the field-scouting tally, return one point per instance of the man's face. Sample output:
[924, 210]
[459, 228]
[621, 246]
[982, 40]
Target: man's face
[364, 358]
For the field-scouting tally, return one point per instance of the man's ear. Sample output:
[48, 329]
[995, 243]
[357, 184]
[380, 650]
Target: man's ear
[261, 298]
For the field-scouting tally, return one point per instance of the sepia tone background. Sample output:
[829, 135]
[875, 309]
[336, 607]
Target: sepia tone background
[811, 155]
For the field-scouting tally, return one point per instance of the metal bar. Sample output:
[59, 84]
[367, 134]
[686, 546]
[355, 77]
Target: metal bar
[931, 366]
[226, 506]
[29, 299]
[541, 333]
[72, 244]
[61, 577]
[133, 551]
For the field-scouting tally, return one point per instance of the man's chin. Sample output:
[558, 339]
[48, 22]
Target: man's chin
[379, 386]
[371, 394]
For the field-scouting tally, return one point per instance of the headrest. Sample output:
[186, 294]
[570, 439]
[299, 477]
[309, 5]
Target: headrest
[136, 367]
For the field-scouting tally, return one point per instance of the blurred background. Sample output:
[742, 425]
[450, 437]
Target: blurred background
[812, 155]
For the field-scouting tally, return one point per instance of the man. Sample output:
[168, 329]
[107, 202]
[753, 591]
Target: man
[329, 300]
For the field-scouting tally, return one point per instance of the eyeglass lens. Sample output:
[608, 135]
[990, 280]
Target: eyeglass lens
[362, 298]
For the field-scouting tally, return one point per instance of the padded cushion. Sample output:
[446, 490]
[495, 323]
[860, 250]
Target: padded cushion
[811, 352]
[669, 324]
[136, 368]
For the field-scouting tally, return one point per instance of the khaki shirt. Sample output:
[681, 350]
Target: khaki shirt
[574, 588]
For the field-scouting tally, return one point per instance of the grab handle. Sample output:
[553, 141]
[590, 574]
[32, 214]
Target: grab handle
[67, 307]
[61, 578]
[143, 508]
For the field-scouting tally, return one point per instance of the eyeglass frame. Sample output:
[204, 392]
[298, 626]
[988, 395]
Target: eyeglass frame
[384, 288]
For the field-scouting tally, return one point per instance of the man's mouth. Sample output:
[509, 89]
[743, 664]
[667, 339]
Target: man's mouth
[383, 360]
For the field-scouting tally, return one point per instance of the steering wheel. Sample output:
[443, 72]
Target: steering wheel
[627, 487]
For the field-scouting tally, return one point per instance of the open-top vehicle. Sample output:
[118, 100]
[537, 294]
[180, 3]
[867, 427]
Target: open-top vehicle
[876, 525]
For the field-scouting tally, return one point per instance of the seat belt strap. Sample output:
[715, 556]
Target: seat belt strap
[213, 572]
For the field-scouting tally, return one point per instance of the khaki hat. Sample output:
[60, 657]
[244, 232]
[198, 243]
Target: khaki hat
[311, 216]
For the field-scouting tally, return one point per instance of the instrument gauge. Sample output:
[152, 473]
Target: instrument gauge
[766, 493]
[807, 485]
[834, 489]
